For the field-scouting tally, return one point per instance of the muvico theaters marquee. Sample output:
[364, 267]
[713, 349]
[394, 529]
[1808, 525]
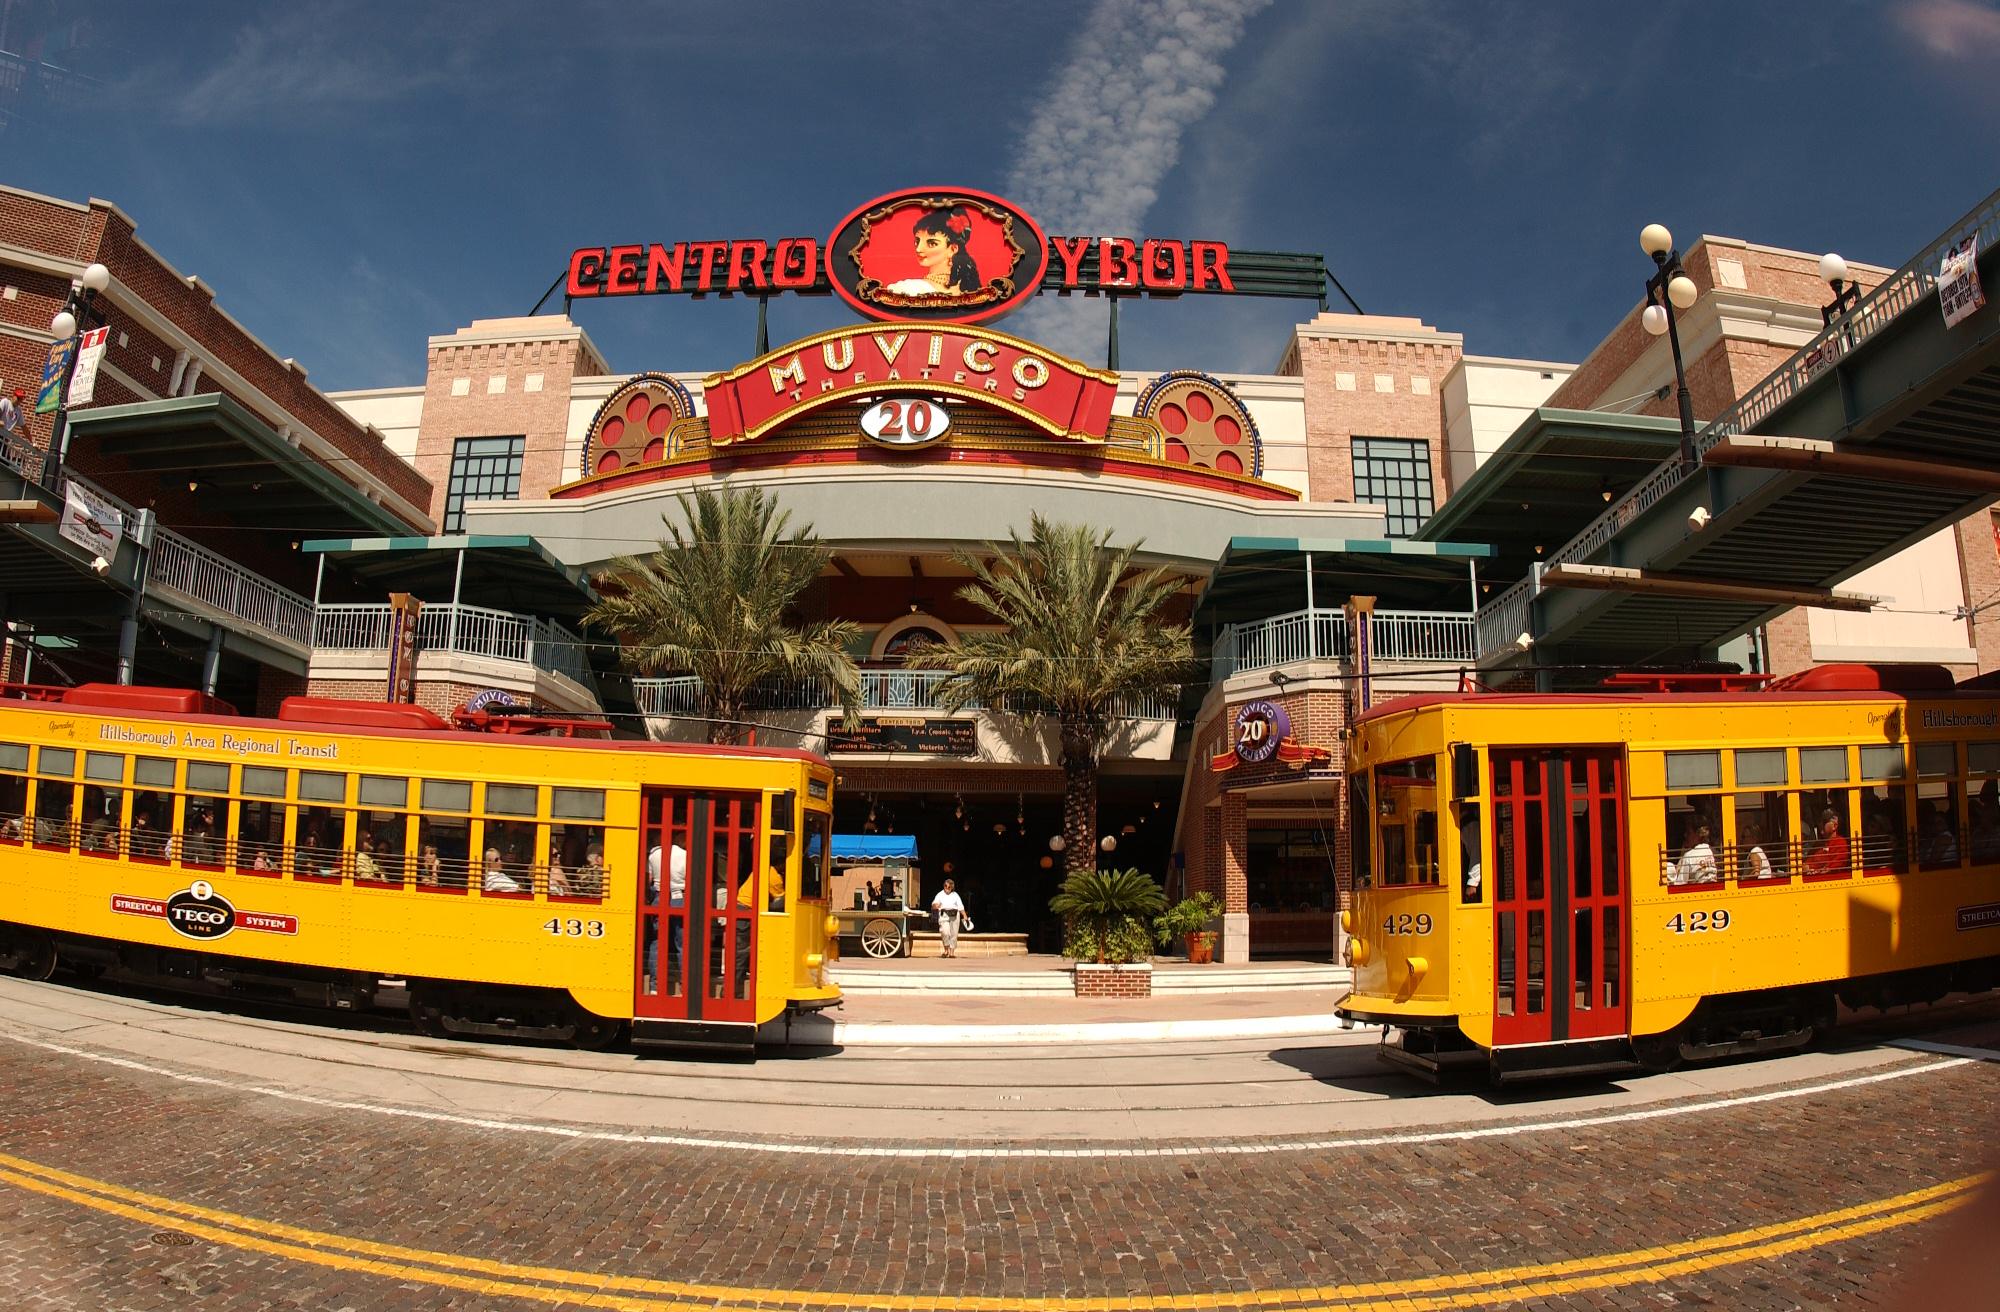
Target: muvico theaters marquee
[918, 432]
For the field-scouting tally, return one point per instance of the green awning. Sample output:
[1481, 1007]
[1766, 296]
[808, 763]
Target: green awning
[505, 572]
[1261, 577]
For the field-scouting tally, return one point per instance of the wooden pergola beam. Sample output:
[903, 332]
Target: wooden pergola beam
[1614, 578]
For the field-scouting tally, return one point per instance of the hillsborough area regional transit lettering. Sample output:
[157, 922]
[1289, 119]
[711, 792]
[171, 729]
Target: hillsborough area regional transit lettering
[170, 739]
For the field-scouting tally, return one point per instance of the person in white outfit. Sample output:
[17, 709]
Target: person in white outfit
[949, 908]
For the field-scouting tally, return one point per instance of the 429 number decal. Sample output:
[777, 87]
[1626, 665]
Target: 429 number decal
[1406, 924]
[1699, 922]
[574, 928]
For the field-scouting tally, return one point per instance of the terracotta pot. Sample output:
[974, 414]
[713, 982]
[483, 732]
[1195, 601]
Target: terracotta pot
[1200, 949]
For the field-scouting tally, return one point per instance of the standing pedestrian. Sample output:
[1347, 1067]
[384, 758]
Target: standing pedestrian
[11, 413]
[949, 908]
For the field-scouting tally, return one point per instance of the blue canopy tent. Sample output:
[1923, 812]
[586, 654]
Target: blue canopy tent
[874, 849]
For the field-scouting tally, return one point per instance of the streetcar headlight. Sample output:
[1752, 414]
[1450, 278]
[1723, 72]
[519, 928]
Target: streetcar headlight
[832, 926]
[1359, 947]
[1347, 922]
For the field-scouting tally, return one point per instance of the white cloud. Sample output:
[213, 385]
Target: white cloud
[1138, 76]
[1953, 29]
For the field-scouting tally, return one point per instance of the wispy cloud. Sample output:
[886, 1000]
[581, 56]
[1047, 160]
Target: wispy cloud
[1138, 76]
[1952, 29]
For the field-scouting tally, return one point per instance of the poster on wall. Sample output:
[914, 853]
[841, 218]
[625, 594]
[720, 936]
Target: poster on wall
[83, 383]
[878, 734]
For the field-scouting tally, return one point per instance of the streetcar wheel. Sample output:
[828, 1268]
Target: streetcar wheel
[428, 1017]
[34, 954]
[1658, 1053]
[881, 938]
[595, 1033]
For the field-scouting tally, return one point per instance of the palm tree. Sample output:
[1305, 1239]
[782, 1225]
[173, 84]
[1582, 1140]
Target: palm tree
[1082, 629]
[714, 602]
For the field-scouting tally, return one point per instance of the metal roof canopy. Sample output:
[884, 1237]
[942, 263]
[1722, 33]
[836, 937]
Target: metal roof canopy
[1548, 481]
[503, 572]
[1261, 577]
[245, 467]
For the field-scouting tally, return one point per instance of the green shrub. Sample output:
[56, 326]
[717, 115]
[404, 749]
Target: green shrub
[1104, 914]
[1190, 915]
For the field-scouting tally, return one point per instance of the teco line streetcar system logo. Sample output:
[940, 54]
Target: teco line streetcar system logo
[199, 912]
[941, 255]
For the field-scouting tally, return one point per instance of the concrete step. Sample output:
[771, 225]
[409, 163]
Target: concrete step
[1168, 977]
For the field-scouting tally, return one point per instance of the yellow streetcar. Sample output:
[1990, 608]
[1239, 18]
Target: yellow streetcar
[517, 877]
[1671, 869]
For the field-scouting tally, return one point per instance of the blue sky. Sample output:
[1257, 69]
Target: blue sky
[352, 177]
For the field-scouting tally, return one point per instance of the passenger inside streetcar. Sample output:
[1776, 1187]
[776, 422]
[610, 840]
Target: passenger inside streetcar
[1830, 856]
[1697, 863]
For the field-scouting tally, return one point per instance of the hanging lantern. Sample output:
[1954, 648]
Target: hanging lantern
[1048, 861]
[999, 828]
[1108, 843]
[1057, 844]
[1129, 829]
[948, 867]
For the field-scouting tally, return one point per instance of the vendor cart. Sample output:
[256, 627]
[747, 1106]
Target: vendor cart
[874, 894]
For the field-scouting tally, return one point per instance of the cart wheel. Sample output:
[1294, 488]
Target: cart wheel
[881, 938]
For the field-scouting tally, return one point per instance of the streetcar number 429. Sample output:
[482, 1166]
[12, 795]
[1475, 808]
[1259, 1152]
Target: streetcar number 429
[1698, 922]
[1406, 924]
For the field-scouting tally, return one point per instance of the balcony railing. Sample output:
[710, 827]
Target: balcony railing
[1433, 637]
[194, 571]
[881, 690]
[477, 631]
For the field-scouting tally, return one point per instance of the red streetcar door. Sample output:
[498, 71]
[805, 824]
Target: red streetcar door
[697, 921]
[1560, 895]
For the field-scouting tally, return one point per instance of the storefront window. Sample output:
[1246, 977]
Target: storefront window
[1290, 869]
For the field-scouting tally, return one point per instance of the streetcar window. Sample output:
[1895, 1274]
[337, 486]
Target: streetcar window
[1822, 765]
[513, 841]
[1694, 832]
[263, 781]
[579, 850]
[260, 831]
[1764, 765]
[1360, 829]
[381, 829]
[1763, 834]
[1826, 815]
[447, 795]
[812, 873]
[512, 799]
[55, 801]
[207, 777]
[56, 761]
[774, 873]
[13, 756]
[13, 806]
[322, 786]
[1980, 758]
[152, 808]
[1940, 834]
[1614, 942]
[444, 849]
[1694, 770]
[1884, 761]
[107, 767]
[1471, 870]
[1407, 814]
[101, 808]
[320, 834]
[1884, 842]
[576, 803]
[384, 791]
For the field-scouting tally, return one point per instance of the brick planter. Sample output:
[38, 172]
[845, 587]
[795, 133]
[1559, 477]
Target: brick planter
[1127, 981]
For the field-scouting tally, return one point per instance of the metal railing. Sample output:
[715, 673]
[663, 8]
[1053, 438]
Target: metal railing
[1395, 635]
[1898, 292]
[881, 690]
[194, 571]
[477, 631]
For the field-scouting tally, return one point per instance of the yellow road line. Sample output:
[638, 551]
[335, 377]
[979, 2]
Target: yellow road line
[1647, 1265]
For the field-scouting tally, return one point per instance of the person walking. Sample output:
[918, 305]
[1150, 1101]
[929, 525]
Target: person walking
[949, 908]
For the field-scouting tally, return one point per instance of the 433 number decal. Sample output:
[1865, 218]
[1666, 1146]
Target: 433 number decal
[1699, 922]
[562, 928]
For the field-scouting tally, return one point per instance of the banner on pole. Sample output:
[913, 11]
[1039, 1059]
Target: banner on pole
[50, 394]
[1959, 292]
[404, 611]
[90, 521]
[83, 383]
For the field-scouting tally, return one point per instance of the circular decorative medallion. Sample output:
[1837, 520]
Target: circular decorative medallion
[936, 254]
[1260, 727]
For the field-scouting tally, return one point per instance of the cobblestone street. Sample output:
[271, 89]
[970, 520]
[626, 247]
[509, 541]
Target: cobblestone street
[131, 1191]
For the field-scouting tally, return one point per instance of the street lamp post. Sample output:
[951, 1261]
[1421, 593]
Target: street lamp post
[1670, 289]
[79, 312]
[1846, 292]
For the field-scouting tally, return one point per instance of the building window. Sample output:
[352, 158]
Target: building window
[482, 469]
[1290, 870]
[1396, 475]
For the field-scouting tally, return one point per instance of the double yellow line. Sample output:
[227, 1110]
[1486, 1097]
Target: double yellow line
[638, 1294]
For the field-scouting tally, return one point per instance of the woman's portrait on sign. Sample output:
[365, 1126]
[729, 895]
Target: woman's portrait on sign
[937, 252]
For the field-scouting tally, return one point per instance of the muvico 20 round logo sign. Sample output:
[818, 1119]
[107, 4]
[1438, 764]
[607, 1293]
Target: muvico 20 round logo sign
[1260, 727]
[939, 254]
[198, 911]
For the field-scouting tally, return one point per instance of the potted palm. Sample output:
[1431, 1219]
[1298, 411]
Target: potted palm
[1189, 919]
[1104, 915]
